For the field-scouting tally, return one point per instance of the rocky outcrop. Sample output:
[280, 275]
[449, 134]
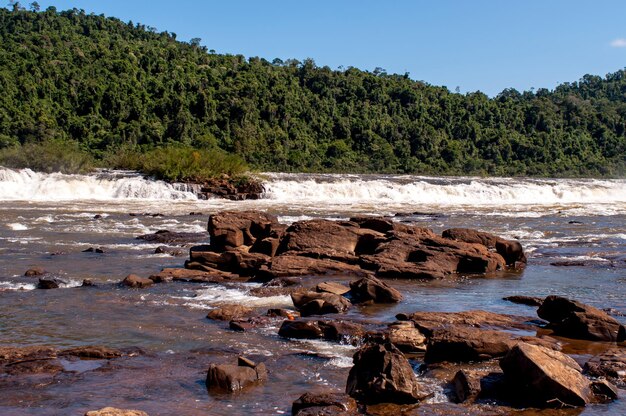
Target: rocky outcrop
[406, 337]
[381, 374]
[574, 319]
[250, 243]
[229, 188]
[545, 378]
[232, 378]
[192, 275]
[324, 404]
[510, 250]
[112, 411]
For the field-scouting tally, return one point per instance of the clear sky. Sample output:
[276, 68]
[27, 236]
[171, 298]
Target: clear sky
[485, 45]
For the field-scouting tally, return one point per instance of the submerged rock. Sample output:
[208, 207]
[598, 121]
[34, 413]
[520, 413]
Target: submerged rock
[525, 300]
[49, 283]
[381, 374]
[231, 378]
[35, 271]
[229, 312]
[574, 319]
[171, 237]
[324, 404]
[134, 281]
[112, 411]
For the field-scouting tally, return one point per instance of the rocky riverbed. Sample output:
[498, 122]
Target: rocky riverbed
[561, 358]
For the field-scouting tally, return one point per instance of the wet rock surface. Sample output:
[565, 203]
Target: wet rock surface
[577, 320]
[381, 374]
[232, 378]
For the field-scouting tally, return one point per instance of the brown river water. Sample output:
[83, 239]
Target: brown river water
[48, 220]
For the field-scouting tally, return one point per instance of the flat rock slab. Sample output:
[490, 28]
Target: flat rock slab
[545, 378]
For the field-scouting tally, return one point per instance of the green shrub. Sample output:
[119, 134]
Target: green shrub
[183, 163]
[49, 156]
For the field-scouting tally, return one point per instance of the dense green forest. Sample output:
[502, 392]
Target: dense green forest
[107, 86]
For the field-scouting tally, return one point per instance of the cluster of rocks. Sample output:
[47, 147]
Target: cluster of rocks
[254, 244]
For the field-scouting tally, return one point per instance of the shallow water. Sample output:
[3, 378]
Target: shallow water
[47, 220]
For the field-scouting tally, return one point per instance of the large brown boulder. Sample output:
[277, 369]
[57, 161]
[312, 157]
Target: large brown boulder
[372, 289]
[545, 378]
[574, 319]
[314, 303]
[381, 374]
[324, 404]
[237, 228]
[339, 331]
[231, 378]
[466, 344]
[510, 250]
[325, 237]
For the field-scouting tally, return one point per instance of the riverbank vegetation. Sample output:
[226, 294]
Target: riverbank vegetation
[105, 87]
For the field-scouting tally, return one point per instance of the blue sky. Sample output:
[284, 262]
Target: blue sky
[485, 45]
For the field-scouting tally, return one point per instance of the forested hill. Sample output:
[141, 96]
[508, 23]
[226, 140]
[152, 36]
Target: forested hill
[106, 83]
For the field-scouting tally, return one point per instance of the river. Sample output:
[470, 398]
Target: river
[47, 220]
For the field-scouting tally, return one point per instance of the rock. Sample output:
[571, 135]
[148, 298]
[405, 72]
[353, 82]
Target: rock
[111, 411]
[471, 236]
[406, 337]
[428, 322]
[173, 238]
[466, 386]
[325, 237]
[98, 250]
[49, 283]
[324, 404]
[611, 365]
[568, 263]
[267, 246]
[190, 275]
[313, 303]
[299, 329]
[510, 250]
[339, 331]
[132, 280]
[175, 252]
[604, 391]
[545, 378]
[525, 300]
[246, 324]
[29, 360]
[92, 351]
[381, 374]
[229, 312]
[332, 287]
[234, 229]
[307, 266]
[35, 271]
[372, 289]
[283, 313]
[231, 378]
[283, 282]
[88, 283]
[576, 320]
[466, 344]
[97, 217]
[242, 262]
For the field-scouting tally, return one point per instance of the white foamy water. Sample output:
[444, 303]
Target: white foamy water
[16, 226]
[214, 296]
[24, 184]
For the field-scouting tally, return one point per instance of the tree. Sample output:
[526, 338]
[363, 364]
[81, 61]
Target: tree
[34, 6]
